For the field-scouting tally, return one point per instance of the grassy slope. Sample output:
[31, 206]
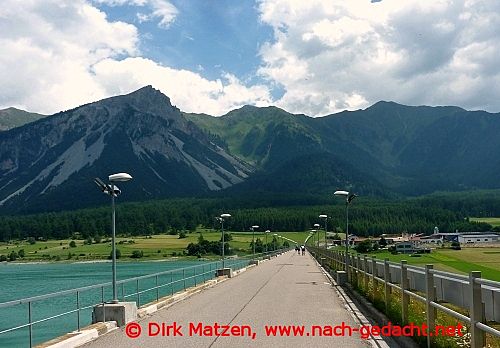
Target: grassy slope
[249, 131]
[12, 118]
[493, 221]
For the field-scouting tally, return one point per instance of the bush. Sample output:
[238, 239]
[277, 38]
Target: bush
[21, 253]
[182, 235]
[118, 254]
[72, 244]
[259, 247]
[364, 246]
[31, 240]
[13, 256]
[3, 258]
[137, 254]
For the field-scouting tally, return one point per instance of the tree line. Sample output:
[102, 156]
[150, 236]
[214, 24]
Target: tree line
[366, 218]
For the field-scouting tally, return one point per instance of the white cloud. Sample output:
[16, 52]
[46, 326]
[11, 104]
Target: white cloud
[332, 55]
[57, 55]
[327, 56]
[187, 90]
[47, 49]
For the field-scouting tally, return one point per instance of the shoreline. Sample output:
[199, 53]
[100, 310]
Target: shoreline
[41, 262]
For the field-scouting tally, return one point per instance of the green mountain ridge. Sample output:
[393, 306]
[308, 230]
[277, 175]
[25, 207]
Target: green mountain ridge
[12, 118]
[409, 150]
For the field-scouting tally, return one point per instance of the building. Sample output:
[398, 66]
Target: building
[473, 238]
[410, 248]
[433, 239]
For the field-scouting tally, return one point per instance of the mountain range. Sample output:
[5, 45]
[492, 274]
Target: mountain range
[385, 150]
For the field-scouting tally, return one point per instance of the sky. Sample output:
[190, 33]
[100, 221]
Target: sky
[314, 57]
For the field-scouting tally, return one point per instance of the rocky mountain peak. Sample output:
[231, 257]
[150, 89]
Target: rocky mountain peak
[147, 100]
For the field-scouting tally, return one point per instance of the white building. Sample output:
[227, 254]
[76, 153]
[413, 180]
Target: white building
[469, 238]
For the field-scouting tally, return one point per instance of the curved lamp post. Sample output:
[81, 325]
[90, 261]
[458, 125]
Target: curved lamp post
[267, 231]
[253, 228]
[348, 199]
[309, 236]
[221, 220]
[325, 217]
[112, 190]
[312, 235]
[316, 228]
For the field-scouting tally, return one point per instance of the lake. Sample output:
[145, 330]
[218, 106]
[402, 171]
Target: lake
[27, 280]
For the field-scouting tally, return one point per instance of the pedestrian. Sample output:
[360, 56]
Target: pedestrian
[297, 249]
[303, 250]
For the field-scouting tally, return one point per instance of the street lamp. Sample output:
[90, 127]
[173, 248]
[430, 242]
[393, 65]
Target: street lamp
[112, 190]
[348, 199]
[316, 228]
[323, 216]
[221, 220]
[267, 231]
[254, 227]
[312, 235]
[309, 236]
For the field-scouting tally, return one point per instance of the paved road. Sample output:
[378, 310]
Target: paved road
[287, 290]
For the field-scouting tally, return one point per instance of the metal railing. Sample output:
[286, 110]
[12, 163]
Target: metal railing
[74, 303]
[363, 270]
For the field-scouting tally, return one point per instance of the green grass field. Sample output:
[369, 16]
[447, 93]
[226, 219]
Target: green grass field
[486, 260]
[493, 221]
[154, 247]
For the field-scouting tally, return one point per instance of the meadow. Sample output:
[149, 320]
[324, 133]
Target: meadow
[493, 221]
[153, 247]
[161, 246]
[486, 260]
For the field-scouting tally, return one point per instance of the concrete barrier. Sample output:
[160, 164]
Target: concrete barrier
[224, 272]
[77, 338]
[341, 277]
[122, 313]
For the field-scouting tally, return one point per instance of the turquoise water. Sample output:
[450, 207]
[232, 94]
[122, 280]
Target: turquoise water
[26, 280]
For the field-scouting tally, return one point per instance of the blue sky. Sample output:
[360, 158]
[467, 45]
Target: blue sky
[315, 57]
[208, 36]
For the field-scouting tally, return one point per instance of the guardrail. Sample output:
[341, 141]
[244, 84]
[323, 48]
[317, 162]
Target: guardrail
[426, 285]
[71, 304]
